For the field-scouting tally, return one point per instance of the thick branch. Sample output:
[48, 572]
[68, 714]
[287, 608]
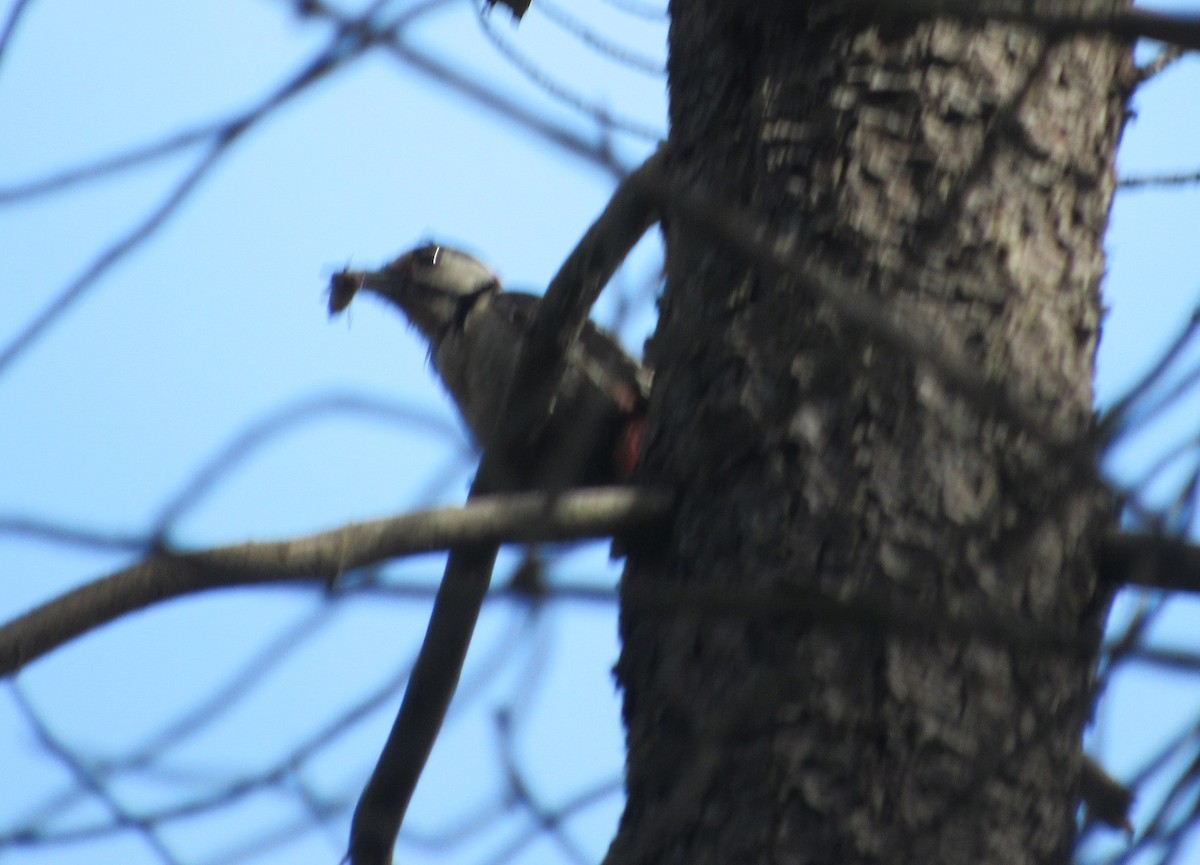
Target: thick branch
[561, 314]
[1150, 561]
[1047, 17]
[525, 517]
[1181, 30]
[556, 324]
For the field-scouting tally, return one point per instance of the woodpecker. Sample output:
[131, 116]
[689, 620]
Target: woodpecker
[475, 329]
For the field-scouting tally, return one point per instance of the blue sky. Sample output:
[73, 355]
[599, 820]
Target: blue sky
[218, 322]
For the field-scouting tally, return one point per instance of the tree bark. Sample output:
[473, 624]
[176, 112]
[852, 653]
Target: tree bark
[962, 176]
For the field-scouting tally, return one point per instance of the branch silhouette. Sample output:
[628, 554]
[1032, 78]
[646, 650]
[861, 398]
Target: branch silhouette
[323, 557]
[557, 322]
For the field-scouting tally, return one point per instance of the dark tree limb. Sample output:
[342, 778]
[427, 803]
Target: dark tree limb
[560, 317]
[1150, 561]
[1180, 30]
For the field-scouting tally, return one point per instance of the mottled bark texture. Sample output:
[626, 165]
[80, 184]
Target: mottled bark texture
[964, 176]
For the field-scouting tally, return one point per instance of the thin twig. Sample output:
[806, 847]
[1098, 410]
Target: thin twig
[1112, 422]
[19, 7]
[1145, 181]
[548, 85]
[1162, 61]
[588, 36]
[123, 161]
[318, 68]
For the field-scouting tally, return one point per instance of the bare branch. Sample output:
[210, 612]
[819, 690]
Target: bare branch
[564, 308]
[333, 57]
[1106, 798]
[488, 99]
[1163, 61]
[645, 11]
[100, 168]
[323, 557]
[222, 699]
[500, 104]
[283, 420]
[545, 82]
[589, 37]
[118, 250]
[73, 535]
[87, 779]
[1150, 561]
[557, 322]
[1176, 179]
[322, 738]
[548, 822]
[1114, 421]
[19, 7]
[1181, 30]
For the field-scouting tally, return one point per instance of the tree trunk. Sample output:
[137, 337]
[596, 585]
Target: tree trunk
[961, 176]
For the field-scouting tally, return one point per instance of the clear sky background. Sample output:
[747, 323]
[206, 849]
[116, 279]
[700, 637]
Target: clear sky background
[217, 323]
